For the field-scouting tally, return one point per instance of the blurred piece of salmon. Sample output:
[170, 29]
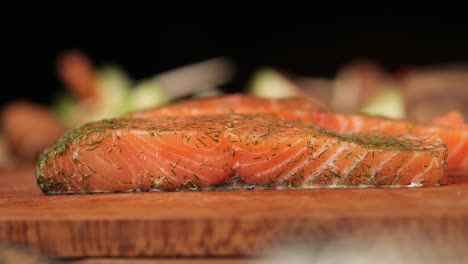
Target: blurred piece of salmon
[29, 128]
[296, 108]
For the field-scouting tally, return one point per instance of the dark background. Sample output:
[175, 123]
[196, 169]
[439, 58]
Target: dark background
[146, 39]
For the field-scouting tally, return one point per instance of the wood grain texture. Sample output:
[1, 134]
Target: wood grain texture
[230, 223]
[171, 261]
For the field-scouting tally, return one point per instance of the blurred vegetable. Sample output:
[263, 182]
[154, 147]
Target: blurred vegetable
[389, 102]
[113, 93]
[29, 128]
[147, 94]
[272, 84]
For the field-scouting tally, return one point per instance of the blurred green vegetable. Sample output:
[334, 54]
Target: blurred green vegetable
[113, 92]
[272, 84]
[389, 102]
[147, 94]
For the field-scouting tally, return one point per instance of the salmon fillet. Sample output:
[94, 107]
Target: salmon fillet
[454, 136]
[232, 151]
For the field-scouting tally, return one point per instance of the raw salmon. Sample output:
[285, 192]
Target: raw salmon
[232, 151]
[454, 134]
[453, 119]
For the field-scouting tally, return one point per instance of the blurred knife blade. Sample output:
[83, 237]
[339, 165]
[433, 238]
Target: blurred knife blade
[196, 77]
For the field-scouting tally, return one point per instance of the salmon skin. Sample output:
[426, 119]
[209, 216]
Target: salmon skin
[454, 134]
[233, 151]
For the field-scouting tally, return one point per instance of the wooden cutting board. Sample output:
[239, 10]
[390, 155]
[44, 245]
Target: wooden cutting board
[228, 223]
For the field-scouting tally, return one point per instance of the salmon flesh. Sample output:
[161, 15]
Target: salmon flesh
[232, 151]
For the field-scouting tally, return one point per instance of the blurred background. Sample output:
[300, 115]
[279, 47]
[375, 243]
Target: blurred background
[69, 58]
[149, 39]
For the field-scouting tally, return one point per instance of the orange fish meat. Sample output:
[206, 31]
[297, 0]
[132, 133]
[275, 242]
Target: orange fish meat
[231, 151]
